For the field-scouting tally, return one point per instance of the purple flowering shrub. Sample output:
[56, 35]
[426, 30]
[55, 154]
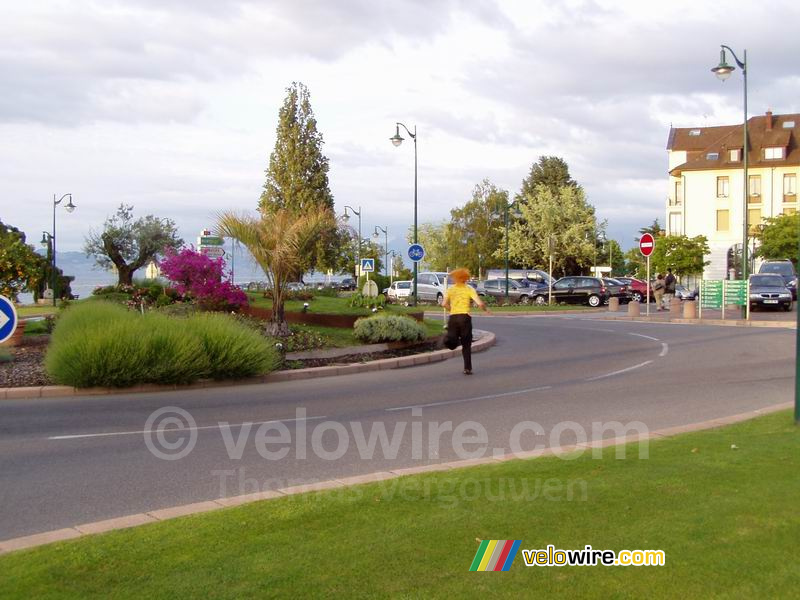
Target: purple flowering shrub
[197, 276]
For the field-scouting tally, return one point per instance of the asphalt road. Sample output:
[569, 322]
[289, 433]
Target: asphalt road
[69, 461]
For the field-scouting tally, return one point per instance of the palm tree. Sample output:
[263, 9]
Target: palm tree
[278, 240]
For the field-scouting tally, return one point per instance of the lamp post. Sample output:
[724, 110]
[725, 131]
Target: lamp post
[508, 208]
[723, 70]
[385, 231]
[391, 267]
[358, 248]
[397, 139]
[69, 207]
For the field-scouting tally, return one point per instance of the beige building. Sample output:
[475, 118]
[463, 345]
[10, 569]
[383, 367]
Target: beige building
[706, 182]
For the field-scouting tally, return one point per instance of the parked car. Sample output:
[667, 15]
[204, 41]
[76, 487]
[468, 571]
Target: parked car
[785, 269]
[295, 286]
[431, 286]
[769, 291]
[518, 291]
[534, 276]
[637, 288]
[347, 284]
[617, 289]
[575, 290]
[683, 293]
[399, 291]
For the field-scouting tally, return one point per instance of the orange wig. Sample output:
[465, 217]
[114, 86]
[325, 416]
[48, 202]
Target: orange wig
[460, 275]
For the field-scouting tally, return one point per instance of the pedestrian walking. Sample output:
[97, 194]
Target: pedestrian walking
[669, 289]
[658, 291]
[458, 300]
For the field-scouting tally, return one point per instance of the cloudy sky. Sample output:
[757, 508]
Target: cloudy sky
[171, 105]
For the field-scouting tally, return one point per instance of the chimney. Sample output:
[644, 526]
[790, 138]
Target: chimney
[769, 120]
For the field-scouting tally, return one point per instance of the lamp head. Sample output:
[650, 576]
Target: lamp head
[397, 139]
[723, 69]
[44, 241]
[70, 206]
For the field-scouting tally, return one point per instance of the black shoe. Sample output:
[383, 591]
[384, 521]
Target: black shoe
[467, 371]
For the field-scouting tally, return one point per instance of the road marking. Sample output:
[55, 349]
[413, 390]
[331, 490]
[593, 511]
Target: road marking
[664, 349]
[647, 337]
[618, 372]
[489, 397]
[218, 426]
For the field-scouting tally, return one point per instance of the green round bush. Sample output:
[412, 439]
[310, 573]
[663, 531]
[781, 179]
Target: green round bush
[388, 328]
[105, 344]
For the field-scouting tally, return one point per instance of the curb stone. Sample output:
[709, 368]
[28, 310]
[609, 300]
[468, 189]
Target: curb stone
[125, 522]
[486, 340]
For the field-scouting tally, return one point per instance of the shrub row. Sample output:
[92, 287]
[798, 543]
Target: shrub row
[389, 328]
[104, 344]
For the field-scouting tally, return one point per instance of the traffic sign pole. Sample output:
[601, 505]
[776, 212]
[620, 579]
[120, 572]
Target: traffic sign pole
[648, 285]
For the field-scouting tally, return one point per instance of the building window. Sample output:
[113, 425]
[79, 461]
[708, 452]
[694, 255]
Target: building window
[678, 197]
[790, 187]
[735, 155]
[722, 187]
[675, 224]
[753, 218]
[789, 211]
[755, 189]
[723, 220]
[712, 156]
[773, 153]
[694, 132]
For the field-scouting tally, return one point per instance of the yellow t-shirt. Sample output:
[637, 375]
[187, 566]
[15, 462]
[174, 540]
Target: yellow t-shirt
[460, 296]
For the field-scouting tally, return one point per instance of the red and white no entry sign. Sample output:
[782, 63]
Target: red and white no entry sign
[647, 244]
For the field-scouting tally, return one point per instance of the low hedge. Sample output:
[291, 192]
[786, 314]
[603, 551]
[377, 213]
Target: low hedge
[389, 328]
[104, 344]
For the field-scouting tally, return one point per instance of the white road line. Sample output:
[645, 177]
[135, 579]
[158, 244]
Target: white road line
[489, 397]
[647, 337]
[218, 426]
[664, 349]
[618, 372]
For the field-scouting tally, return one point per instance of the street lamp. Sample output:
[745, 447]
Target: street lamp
[723, 70]
[385, 231]
[397, 139]
[391, 268]
[358, 248]
[516, 214]
[69, 206]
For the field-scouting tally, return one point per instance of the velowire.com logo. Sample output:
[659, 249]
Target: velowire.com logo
[495, 555]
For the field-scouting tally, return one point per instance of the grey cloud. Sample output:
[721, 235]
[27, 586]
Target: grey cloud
[56, 63]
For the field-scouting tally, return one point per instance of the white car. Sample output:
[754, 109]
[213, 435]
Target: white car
[399, 291]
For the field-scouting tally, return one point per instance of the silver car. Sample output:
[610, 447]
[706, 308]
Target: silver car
[431, 286]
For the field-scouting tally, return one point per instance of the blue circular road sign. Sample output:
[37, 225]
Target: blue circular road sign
[8, 318]
[416, 252]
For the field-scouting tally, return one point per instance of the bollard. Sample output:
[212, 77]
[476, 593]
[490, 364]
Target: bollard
[613, 304]
[675, 306]
[690, 309]
[633, 308]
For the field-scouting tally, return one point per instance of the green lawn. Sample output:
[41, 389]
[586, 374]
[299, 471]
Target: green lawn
[726, 517]
[327, 305]
[341, 337]
[35, 310]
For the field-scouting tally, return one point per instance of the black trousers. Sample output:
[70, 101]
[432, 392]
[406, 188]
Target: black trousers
[459, 331]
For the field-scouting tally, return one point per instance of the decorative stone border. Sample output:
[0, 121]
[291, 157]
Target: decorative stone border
[48, 537]
[484, 340]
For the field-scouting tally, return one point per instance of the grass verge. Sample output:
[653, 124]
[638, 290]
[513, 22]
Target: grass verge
[726, 517]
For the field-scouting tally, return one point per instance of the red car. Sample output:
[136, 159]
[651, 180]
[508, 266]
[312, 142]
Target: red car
[637, 288]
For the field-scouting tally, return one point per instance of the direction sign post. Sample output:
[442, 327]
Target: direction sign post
[647, 244]
[8, 319]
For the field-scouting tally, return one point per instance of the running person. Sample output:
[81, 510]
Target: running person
[458, 300]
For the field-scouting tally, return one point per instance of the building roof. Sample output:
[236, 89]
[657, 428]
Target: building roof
[709, 147]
